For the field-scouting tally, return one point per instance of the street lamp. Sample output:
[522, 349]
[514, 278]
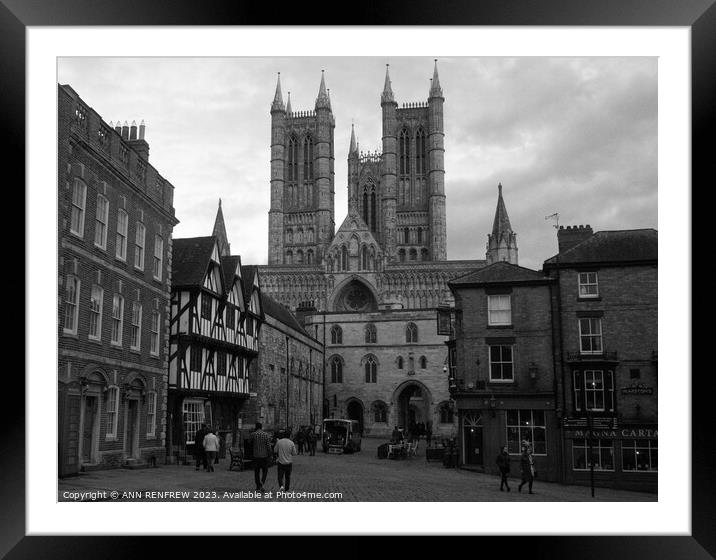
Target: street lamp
[493, 404]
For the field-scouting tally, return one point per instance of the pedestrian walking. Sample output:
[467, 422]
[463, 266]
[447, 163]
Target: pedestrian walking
[199, 452]
[284, 450]
[300, 440]
[261, 445]
[503, 463]
[395, 436]
[312, 439]
[527, 466]
[211, 448]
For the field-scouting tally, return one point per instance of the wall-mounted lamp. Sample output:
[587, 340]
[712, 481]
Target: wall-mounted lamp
[493, 405]
[533, 370]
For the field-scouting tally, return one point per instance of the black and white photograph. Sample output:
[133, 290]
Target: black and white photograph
[402, 279]
[397, 280]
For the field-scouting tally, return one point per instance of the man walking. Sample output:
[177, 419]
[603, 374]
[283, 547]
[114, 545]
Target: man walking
[284, 449]
[503, 463]
[312, 441]
[261, 443]
[199, 446]
[211, 448]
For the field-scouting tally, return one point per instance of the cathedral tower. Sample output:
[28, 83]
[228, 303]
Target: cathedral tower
[502, 242]
[413, 176]
[301, 219]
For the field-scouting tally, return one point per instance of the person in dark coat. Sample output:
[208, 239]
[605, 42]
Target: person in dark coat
[395, 437]
[312, 439]
[199, 452]
[527, 466]
[428, 434]
[503, 463]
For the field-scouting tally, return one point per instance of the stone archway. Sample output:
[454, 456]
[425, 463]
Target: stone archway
[354, 411]
[413, 404]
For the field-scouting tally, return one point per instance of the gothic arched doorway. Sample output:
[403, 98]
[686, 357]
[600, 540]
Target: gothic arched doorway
[413, 401]
[355, 412]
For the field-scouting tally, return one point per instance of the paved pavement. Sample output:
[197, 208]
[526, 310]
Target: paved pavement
[360, 477]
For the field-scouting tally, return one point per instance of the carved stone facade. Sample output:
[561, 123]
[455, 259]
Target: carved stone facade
[385, 267]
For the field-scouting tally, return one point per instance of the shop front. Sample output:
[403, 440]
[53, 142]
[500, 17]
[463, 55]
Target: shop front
[625, 457]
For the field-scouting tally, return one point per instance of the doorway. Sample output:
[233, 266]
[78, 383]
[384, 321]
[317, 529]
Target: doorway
[89, 420]
[355, 412]
[132, 429]
[472, 440]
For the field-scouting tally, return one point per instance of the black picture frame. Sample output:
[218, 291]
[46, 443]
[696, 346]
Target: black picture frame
[698, 15]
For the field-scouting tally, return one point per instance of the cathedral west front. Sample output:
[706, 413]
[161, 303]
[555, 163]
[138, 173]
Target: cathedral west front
[370, 289]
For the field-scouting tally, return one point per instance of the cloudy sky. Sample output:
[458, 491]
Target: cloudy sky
[577, 136]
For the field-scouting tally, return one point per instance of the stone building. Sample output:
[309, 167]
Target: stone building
[288, 373]
[115, 221]
[606, 309]
[385, 269]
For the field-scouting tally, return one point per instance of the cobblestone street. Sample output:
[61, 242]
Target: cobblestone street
[360, 477]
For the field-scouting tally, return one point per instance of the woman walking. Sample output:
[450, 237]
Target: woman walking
[503, 463]
[527, 466]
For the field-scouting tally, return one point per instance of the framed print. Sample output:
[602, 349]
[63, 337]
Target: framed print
[272, 281]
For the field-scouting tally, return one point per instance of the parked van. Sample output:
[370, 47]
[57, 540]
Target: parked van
[341, 436]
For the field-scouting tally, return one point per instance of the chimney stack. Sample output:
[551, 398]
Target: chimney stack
[139, 144]
[568, 237]
[125, 131]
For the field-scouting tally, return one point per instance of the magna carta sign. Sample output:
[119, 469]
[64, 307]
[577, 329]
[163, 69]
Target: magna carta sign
[625, 433]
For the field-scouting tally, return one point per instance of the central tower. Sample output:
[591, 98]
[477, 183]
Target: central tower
[301, 218]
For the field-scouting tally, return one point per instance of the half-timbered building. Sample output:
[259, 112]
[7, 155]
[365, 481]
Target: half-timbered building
[213, 339]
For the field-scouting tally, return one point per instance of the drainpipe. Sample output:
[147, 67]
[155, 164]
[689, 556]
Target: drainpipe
[288, 377]
[559, 353]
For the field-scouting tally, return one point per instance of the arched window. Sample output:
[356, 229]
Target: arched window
[299, 257]
[309, 233]
[404, 152]
[424, 255]
[380, 411]
[363, 258]
[401, 255]
[330, 264]
[308, 159]
[365, 205]
[336, 370]
[420, 167]
[423, 362]
[420, 235]
[372, 211]
[309, 256]
[289, 257]
[344, 258]
[292, 160]
[406, 235]
[411, 333]
[413, 255]
[371, 370]
[447, 415]
[400, 362]
[336, 335]
[370, 334]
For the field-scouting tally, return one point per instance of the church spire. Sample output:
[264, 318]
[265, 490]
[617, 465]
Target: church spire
[288, 103]
[277, 104]
[435, 89]
[387, 95]
[502, 242]
[354, 147]
[220, 233]
[322, 101]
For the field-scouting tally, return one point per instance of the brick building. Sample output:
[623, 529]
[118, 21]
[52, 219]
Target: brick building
[115, 220]
[606, 307]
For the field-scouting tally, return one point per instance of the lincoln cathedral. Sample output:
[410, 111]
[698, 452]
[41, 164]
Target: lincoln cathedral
[370, 289]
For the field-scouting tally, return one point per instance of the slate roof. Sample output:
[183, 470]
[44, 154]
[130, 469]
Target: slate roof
[499, 273]
[248, 273]
[612, 246]
[280, 313]
[190, 260]
[228, 265]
